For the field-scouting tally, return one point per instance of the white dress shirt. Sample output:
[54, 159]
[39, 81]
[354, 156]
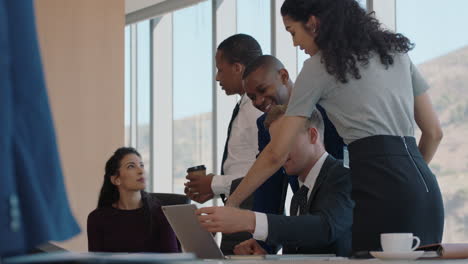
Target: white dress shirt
[242, 147]
[261, 220]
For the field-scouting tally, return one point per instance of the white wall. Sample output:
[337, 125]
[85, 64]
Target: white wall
[82, 46]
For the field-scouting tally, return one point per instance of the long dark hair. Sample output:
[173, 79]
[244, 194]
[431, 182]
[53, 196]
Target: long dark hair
[346, 35]
[110, 194]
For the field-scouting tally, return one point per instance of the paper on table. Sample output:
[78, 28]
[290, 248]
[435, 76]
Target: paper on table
[447, 251]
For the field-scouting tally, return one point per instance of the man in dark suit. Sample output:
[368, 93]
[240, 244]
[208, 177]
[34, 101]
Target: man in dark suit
[267, 83]
[321, 210]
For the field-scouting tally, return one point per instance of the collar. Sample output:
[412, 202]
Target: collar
[314, 172]
[244, 100]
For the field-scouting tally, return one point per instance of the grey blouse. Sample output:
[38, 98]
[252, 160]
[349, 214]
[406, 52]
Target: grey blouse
[380, 103]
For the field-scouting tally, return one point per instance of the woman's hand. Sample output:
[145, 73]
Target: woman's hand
[427, 121]
[231, 203]
[226, 219]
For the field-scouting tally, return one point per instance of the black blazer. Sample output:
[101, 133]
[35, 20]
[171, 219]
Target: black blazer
[327, 227]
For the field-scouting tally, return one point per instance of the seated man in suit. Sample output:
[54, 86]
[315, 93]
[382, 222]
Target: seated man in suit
[321, 210]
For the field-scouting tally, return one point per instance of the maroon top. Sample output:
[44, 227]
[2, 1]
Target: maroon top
[115, 230]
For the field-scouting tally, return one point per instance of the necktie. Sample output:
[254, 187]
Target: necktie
[225, 153]
[299, 201]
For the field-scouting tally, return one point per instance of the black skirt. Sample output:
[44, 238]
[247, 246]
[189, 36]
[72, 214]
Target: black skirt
[394, 190]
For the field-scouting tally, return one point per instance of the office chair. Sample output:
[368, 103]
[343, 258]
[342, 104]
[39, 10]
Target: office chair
[171, 198]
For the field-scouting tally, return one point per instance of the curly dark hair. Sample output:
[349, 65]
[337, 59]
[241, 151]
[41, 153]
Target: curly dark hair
[346, 35]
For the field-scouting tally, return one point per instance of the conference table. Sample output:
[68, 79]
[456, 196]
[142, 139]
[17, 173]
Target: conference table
[330, 261]
[188, 258]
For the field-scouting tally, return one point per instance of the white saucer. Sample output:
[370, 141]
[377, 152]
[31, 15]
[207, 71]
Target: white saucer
[397, 255]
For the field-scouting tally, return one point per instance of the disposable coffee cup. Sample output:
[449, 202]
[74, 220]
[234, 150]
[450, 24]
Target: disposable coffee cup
[199, 170]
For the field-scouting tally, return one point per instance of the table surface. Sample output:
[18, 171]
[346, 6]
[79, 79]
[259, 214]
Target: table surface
[332, 261]
[187, 258]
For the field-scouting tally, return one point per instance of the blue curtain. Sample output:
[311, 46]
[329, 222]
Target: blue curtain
[33, 202]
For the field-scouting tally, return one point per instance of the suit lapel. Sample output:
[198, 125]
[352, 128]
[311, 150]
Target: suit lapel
[320, 178]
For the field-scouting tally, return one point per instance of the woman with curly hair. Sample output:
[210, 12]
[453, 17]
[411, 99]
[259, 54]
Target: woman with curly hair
[362, 76]
[127, 219]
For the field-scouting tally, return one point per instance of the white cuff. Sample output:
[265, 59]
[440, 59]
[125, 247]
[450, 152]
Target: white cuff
[261, 227]
[221, 185]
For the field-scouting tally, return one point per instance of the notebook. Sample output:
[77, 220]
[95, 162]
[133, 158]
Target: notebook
[445, 251]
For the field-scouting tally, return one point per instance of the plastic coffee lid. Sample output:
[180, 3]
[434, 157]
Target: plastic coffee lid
[196, 168]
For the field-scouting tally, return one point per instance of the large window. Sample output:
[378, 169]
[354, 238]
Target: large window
[441, 54]
[193, 117]
[168, 93]
[138, 91]
[127, 86]
[143, 93]
[254, 18]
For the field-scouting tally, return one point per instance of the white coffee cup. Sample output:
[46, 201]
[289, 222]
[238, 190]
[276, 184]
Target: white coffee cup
[398, 242]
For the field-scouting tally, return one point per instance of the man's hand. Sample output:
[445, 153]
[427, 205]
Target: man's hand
[199, 184]
[199, 198]
[249, 247]
[227, 220]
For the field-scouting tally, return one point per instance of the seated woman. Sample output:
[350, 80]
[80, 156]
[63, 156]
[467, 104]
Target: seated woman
[127, 219]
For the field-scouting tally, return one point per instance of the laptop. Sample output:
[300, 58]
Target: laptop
[192, 236]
